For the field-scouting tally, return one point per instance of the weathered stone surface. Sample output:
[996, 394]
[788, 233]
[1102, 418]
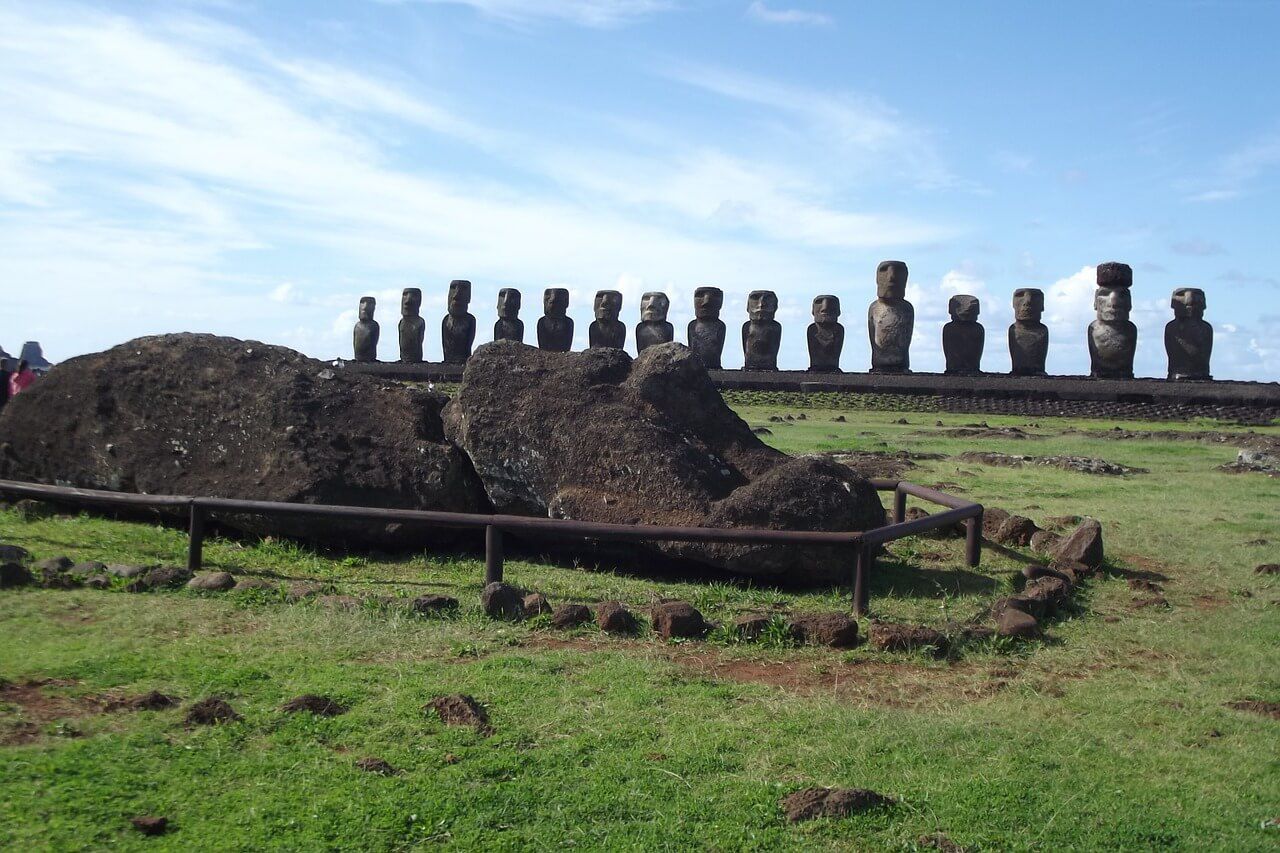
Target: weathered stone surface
[1050, 593]
[413, 329]
[889, 637]
[824, 629]
[1034, 572]
[98, 582]
[427, 604]
[509, 326]
[1044, 541]
[502, 601]
[613, 617]
[570, 616]
[364, 337]
[1268, 569]
[14, 575]
[555, 327]
[891, 320]
[14, 554]
[1083, 545]
[597, 437]
[750, 626]
[54, 564]
[992, 518]
[1113, 338]
[458, 328]
[654, 327]
[1016, 530]
[245, 584]
[677, 619]
[1013, 620]
[536, 604]
[812, 803]
[212, 582]
[122, 570]
[302, 590]
[1188, 339]
[165, 577]
[203, 415]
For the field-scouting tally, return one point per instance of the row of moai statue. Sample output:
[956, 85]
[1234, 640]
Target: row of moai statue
[1112, 337]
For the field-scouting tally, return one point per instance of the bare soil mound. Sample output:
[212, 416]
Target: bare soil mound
[460, 710]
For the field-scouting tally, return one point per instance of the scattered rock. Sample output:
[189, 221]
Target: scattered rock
[1044, 541]
[321, 706]
[165, 577]
[1016, 530]
[1268, 569]
[301, 591]
[762, 431]
[1158, 601]
[1083, 545]
[1081, 464]
[211, 711]
[432, 604]
[678, 619]
[150, 824]
[461, 710]
[81, 571]
[212, 582]
[1034, 572]
[122, 570]
[54, 564]
[953, 531]
[153, 701]
[1050, 593]
[824, 629]
[51, 579]
[536, 604]
[503, 601]
[376, 765]
[570, 616]
[1253, 706]
[14, 554]
[812, 803]
[839, 419]
[613, 617]
[888, 637]
[14, 575]
[1014, 620]
[98, 582]
[750, 626]
[992, 518]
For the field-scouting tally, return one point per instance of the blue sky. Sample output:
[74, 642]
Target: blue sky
[252, 169]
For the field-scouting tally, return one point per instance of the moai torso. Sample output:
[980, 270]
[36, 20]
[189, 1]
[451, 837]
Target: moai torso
[891, 320]
[825, 335]
[364, 337]
[1188, 338]
[653, 327]
[963, 338]
[607, 330]
[761, 335]
[413, 329]
[458, 328]
[1113, 339]
[555, 328]
[706, 330]
[1028, 337]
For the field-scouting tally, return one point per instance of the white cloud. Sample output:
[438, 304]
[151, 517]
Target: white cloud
[588, 13]
[285, 294]
[760, 12]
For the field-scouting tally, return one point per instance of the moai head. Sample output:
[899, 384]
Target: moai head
[1114, 274]
[707, 302]
[367, 306]
[608, 305]
[459, 297]
[762, 305]
[963, 308]
[411, 301]
[508, 303]
[555, 301]
[1188, 302]
[654, 307]
[1028, 304]
[891, 281]
[1112, 304]
[826, 310]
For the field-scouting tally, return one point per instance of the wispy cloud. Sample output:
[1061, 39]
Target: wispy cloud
[1196, 247]
[758, 11]
[602, 14]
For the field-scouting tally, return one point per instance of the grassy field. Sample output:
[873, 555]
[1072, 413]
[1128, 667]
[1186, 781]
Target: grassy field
[1110, 733]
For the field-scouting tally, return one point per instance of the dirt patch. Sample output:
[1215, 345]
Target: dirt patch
[321, 706]
[1253, 706]
[211, 711]
[153, 701]
[376, 765]
[1079, 464]
[27, 709]
[812, 803]
[982, 431]
[461, 710]
[938, 841]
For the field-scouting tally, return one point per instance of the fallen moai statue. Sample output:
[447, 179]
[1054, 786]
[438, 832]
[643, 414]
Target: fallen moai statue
[218, 417]
[598, 436]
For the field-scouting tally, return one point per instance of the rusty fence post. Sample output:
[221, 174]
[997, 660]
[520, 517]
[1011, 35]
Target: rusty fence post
[899, 505]
[195, 544]
[973, 540]
[863, 561]
[492, 554]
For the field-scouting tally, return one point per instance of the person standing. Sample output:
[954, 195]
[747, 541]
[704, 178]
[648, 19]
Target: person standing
[21, 379]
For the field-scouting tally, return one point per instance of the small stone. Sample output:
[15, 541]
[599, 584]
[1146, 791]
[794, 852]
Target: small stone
[1268, 569]
[86, 569]
[536, 604]
[427, 604]
[150, 824]
[1052, 593]
[98, 582]
[14, 575]
[122, 570]
[54, 564]
[1016, 530]
[1157, 601]
[1083, 545]
[321, 706]
[212, 582]
[613, 617]
[992, 518]
[1034, 572]
[211, 711]
[503, 601]
[568, 616]
[888, 637]
[376, 765]
[750, 626]
[811, 803]
[14, 554]
[824, 629]
[161, 578]
[677, 619]
[1013, 620]
[1044, 541]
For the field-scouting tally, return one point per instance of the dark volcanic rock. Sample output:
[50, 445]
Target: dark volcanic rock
[14, 574]
[536, 604]
[1016, 530]
[811, 803]
[165, 577]
[14, 554]
[150, 824]
[824, 629]
[54, 564]
[570, 616]
[87, 569]
[211, 711]
[750, 626]
[426, 604]
[321, 706]
[677, 619]
[1083, 545]
[613, 617]
[376, 765]
[202, 415]
[1014, 620]
[122, 570]
[597, 437]
[212, 582]
[503, 601]
[1268, 569]
[888, 637]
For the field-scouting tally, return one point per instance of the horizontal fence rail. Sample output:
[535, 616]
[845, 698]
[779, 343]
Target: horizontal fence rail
[864, 543]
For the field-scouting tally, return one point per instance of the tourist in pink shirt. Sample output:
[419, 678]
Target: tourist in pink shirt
[21, 379]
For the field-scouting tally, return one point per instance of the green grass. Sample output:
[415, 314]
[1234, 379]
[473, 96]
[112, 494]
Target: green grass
[1109, 734]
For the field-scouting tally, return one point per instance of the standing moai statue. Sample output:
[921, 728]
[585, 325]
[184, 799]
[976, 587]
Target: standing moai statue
[1113, 339]
[826, 335]
[364, 337]
[555, 327]
[964, 337]
[509, 326]
[706, 329]
[761, 335]
[891, 320]
[413, 329]
[1028, 337]
[607, 330]
[1188, 338]
[458, 328]
[653, 327]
